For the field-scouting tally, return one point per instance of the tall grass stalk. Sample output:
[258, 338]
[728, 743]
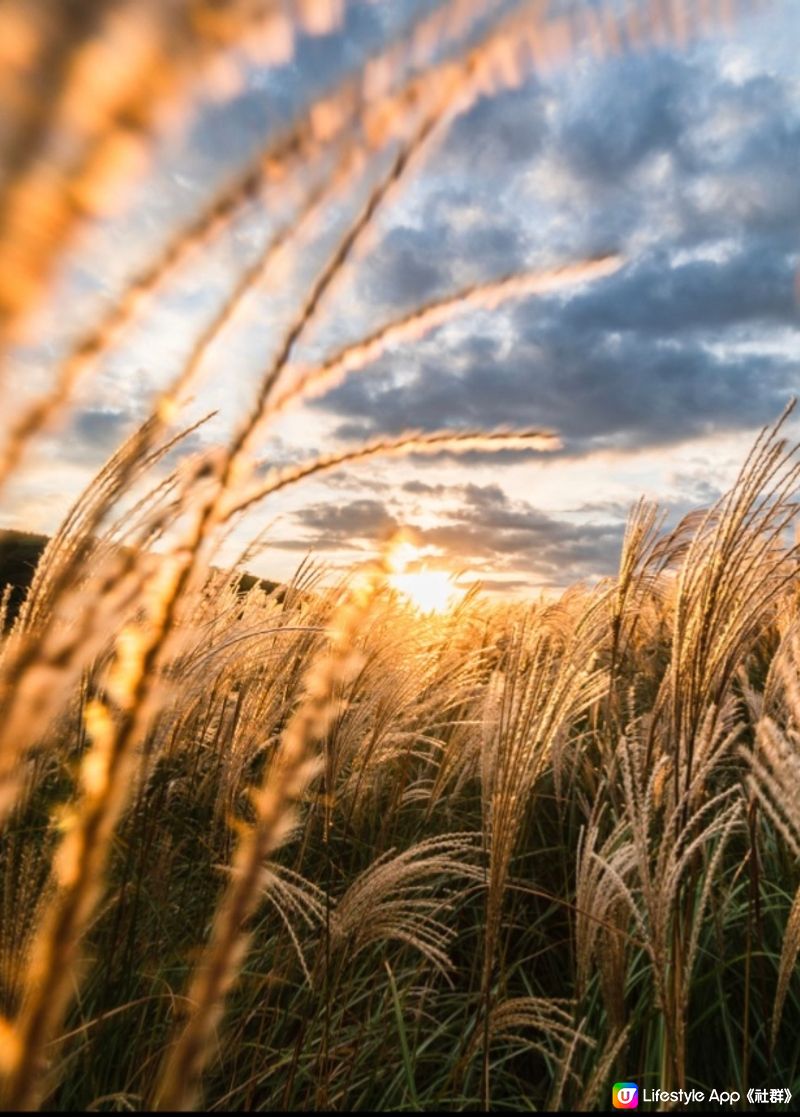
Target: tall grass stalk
[553, 843]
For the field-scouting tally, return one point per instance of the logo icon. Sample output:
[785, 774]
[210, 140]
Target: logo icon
[625, 1095]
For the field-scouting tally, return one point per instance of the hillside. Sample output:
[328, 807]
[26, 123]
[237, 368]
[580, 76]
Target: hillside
[20, 552]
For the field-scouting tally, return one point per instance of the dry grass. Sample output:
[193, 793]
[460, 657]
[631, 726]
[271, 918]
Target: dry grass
[309, 849]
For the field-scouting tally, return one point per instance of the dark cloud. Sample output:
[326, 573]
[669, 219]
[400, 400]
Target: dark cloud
[404, 270]
[516, 536]
[99, 431]
[333, 526]
[479, 526]
[551, 551]
[698, 491]
[411, 266]
[96, 433]
[597, 390]
[421, 488]
[619, 116]
[664, 144]
[653, 296]
[671, 347]
[348, 480]
[500, 131]
[688, 162]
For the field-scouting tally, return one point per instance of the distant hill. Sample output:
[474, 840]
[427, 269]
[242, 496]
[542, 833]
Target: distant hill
[20, 552]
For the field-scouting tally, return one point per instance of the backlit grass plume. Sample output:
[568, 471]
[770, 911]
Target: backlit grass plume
[310, 845]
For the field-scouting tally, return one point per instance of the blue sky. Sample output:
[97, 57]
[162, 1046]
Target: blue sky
[685, 161]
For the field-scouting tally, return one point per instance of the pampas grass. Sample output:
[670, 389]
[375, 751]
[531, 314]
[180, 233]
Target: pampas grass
[304, 847]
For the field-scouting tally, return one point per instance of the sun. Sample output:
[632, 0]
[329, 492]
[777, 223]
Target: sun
[428, 590]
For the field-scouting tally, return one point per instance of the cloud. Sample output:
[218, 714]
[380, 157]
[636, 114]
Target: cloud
[421, 488]
[336, 526]
[617, 117]
[100, 427]
[499, 131]
[684, 161]
[754, 284]
[95, 433]
[403, 270]
[514, 536]
[678, 160]
[598, 390]
[411, 266]
[480, 527]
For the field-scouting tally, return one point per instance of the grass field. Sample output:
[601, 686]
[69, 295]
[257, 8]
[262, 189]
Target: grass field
[515, 853]
[313, 846]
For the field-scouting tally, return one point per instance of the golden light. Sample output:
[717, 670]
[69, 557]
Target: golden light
[428, 590]
[402, 552]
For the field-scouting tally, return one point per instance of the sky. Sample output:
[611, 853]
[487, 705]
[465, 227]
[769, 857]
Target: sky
[684, 161]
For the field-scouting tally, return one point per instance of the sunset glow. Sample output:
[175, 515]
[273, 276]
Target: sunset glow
[428, 590]
[399, 538]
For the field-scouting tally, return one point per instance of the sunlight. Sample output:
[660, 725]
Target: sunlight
[429, 591]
